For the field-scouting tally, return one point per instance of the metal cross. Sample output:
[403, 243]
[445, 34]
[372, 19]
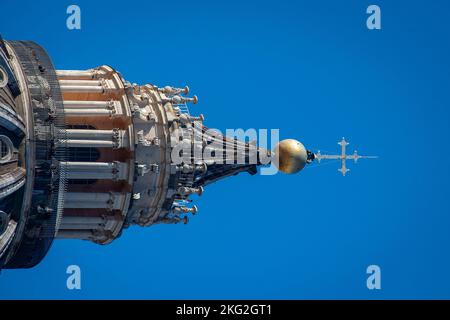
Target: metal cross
[343, 156]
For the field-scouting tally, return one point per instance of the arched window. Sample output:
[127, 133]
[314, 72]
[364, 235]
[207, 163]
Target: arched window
[6, 149]
[3, 78]
[4, 220]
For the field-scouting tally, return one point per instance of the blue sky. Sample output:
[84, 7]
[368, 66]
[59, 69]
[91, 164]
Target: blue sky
[313, 70]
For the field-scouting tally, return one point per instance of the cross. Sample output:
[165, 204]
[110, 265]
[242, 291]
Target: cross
[343, 156]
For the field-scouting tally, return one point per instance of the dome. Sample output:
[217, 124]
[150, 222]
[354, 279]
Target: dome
[12, 171]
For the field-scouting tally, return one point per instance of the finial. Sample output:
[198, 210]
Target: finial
[189, 190]
[291, 156]
[185, 118]
[183, 209]
[343, 156]
[177, 99]
[174, 91]
[188, 168]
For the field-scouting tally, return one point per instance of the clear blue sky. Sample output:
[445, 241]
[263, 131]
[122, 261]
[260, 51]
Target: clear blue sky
[313, 70]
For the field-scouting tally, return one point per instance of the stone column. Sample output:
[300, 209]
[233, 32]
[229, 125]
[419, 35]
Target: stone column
[111, 200]
[96, 170]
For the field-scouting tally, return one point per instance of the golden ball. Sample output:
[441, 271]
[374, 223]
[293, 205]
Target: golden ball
[290, 156]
